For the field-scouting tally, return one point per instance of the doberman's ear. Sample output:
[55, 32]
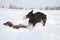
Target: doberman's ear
[32, 11]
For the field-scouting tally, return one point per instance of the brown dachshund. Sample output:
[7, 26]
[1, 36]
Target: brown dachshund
[14, 26]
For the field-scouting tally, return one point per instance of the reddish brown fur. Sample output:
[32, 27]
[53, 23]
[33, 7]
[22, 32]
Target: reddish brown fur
[15, 26]
[23, 26]
[8, 24]
[19, 26]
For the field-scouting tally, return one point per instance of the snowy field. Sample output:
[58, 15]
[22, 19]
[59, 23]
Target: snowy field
[49, 32]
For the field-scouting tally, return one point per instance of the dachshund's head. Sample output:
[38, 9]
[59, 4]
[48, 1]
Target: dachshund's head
[8, 24]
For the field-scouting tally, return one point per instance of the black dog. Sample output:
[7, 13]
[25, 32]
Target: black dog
[36, 17]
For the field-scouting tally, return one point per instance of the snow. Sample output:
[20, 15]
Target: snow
[49, 32]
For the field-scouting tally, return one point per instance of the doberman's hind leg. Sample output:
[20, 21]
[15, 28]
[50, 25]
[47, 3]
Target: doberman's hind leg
[34, 24]
[44, 21]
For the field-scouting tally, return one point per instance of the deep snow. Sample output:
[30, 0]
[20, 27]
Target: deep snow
[49, 32]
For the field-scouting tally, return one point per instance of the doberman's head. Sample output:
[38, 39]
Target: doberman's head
[29, 15]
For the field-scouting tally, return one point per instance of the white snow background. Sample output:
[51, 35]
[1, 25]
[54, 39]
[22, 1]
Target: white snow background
[51, 31]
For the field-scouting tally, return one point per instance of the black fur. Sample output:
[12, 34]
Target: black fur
[36, 17]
